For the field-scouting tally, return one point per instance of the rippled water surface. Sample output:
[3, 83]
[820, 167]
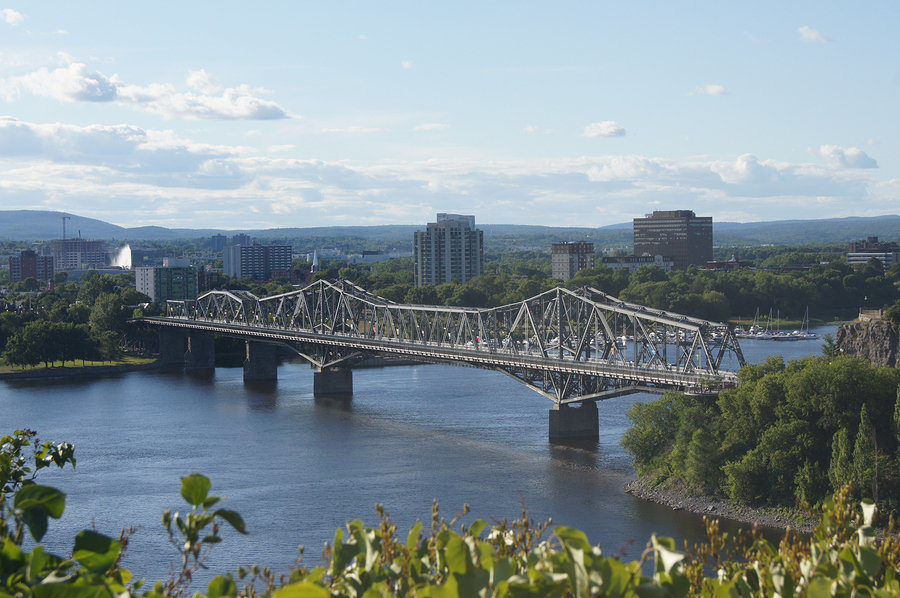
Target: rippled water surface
[296, 468]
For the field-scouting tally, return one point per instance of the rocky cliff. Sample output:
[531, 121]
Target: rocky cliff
[876, 340]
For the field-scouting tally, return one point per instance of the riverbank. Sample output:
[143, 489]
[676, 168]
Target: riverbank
[90, 370]
[678, 497]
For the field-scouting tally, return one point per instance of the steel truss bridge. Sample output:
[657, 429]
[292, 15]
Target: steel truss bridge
[572, 346]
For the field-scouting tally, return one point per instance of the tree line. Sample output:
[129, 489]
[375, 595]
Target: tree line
[69, 322]
[790, 433]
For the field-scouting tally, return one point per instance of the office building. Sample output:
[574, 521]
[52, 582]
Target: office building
[633, 262]
[568, 257]
[677, 234]
[77, 254]
[259, 262]
[28, 264]
[888, 253]
[175, 280]
[448, 250]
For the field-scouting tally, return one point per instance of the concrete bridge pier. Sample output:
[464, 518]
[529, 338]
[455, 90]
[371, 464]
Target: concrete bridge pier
[201, 352]
[574, 423]
[260, 362]
[172, 344]
[333, 383]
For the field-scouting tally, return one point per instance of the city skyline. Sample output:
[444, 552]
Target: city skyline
[317, 115]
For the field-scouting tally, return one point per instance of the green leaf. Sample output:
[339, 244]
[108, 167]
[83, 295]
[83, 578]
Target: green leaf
[869, 561]
[232, 517]
[68, 590]
[301, 590]
[477, 527]
[96, 552]
[456, 554]
[36, 520]
[221, 586]
[412, 540]
[47, 498]
[195, 488]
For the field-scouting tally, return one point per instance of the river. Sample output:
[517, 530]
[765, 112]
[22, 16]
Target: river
[296, 469]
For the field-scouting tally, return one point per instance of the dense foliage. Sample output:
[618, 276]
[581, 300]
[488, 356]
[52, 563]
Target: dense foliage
[789, 433]
[827, 290]
[69, 321]
[843, 557]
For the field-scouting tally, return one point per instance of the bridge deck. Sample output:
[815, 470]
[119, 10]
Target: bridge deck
[485, 356]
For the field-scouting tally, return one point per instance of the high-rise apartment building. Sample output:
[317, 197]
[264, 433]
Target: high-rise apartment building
[260, 262]
[175, 279]
[568, 257]
[28, 264]
[447, 250]
[676, 234]
[78, 254]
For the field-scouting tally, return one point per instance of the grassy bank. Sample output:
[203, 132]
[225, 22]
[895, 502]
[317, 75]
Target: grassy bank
[127, 360]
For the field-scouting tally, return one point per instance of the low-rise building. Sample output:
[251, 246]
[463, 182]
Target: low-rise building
[886, 252]
[175, 279]
[633, 262]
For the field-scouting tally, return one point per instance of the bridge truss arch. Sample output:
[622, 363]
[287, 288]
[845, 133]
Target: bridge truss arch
[569, 345]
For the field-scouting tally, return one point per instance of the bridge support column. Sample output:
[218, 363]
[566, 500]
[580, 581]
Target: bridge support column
[574, 423]
[333, 383]
[171, 346]
[201, 352]
[260, 362]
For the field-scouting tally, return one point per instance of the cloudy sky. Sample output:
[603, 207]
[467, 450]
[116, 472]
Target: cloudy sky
[246, 115]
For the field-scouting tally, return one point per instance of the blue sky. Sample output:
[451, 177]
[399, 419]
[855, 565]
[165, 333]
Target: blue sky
[231, 114]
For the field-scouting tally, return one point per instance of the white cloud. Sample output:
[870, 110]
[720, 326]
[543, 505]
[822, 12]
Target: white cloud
[133, 175]
[76, 82]
[11, 17]
[407, 64]
[253, 133]
[532, 129]
[431, 127]
[810, 35]
[203, 82]
[287, 147]
[710, 89]
[607, 128]
[851, 157]
[62, 32]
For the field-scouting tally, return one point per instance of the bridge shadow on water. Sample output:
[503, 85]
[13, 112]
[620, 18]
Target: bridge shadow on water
[262, 395]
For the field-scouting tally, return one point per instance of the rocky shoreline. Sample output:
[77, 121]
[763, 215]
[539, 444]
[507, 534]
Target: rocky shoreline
[678, 497]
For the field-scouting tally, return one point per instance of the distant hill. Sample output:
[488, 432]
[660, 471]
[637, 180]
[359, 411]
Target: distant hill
[831, 230]
[37, 225]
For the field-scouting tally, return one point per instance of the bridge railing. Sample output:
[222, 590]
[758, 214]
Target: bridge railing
[561, 325]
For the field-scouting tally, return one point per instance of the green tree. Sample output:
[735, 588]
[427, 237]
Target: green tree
[864, 454]
[108, 314]
[840, 471]
[702, 467]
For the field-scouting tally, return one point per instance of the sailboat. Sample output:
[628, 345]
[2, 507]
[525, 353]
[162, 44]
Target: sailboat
[804, 334]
